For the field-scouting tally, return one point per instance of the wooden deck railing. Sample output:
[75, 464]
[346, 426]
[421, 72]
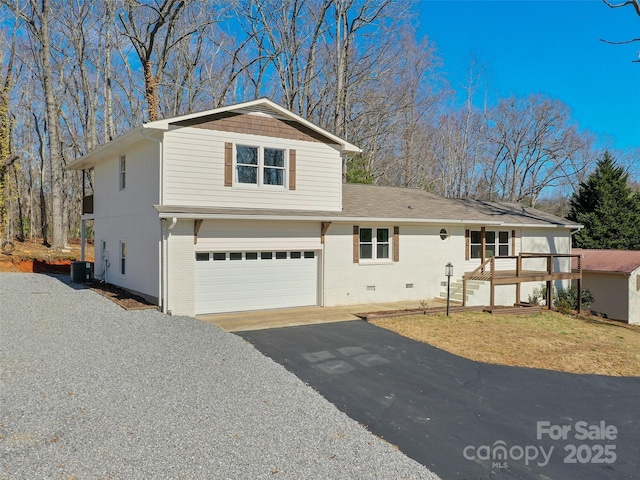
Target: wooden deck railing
[517, 275]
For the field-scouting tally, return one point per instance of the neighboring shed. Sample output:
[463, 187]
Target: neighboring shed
[613, 277]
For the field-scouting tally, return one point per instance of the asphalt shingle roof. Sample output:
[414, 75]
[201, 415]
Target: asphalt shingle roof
[397, 203]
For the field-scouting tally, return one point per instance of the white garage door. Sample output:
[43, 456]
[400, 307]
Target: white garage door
[238, 281]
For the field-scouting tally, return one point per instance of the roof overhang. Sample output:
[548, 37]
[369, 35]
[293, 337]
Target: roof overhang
[197, 213]
[106, 149]
[316, 218]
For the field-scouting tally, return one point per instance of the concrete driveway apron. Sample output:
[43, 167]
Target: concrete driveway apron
[464, 419]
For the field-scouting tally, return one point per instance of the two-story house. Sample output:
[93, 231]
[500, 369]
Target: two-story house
[243, 208]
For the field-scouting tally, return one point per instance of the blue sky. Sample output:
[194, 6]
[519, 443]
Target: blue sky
[549, 47]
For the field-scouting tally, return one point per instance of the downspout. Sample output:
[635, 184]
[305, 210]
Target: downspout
[161, 299]
[165, 267]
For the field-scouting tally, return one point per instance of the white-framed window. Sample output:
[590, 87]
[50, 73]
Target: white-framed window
[123, 172]
[260, 165]
[496, 244]
[375, 243]
[123, 257]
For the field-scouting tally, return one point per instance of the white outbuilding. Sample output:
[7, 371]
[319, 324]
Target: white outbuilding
[613, 277]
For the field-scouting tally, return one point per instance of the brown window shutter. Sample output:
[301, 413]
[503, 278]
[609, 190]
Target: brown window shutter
[513, 242]
[356, 244]
[467, 244]
[292, 169]
[396, 244]
[228, 164]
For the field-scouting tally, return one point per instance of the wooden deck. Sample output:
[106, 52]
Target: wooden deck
[517, 275]
[509, 277]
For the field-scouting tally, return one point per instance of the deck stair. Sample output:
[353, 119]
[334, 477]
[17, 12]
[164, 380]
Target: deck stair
[456, 290]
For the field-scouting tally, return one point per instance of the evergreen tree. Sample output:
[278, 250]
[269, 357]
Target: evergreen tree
[608, 209]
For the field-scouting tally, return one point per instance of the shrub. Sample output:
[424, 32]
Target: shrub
[566, 299]
[538, 295]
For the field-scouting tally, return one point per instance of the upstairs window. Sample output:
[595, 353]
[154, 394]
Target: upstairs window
[247, 164]
[123, 171]
[273, 170]
[260, 165]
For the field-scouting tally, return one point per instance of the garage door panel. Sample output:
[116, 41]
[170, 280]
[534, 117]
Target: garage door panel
[254, 284]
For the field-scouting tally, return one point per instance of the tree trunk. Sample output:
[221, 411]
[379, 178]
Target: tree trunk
[43, 211]
[59, 235]
[151, 91]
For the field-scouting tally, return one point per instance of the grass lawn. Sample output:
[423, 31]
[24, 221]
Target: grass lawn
[547, 340]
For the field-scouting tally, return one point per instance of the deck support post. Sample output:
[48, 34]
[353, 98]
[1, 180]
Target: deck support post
[492, 300]
[579, 284]
[464, 292]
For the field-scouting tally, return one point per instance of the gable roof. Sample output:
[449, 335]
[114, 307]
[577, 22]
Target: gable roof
[392, 204]
[263, 105]
[608, 261]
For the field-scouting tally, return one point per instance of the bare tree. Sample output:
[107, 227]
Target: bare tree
[286, 36]
[6, 130]
[534, 145]
[636, 6]
[37, 16]
[154, 30]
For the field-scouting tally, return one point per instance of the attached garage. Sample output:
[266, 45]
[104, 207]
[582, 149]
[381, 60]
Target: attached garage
[255, 280]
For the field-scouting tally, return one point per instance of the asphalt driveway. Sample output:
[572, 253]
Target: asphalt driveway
[463, 419]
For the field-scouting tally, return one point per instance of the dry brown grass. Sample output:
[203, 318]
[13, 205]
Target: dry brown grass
[547, 340]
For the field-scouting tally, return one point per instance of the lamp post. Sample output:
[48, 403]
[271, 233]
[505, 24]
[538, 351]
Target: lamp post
[448, 271]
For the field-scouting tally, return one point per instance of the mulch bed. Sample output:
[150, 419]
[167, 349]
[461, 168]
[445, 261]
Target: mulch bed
[414, 311]
[515, 310]
[122, 297]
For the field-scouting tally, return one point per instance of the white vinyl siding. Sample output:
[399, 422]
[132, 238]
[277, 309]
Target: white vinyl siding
[194, 173]
[129, 214]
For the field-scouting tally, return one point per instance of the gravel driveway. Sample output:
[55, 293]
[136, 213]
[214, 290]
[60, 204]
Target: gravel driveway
[89, 390]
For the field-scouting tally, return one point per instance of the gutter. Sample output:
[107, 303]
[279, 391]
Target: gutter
[329, 218]
[325, 218]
